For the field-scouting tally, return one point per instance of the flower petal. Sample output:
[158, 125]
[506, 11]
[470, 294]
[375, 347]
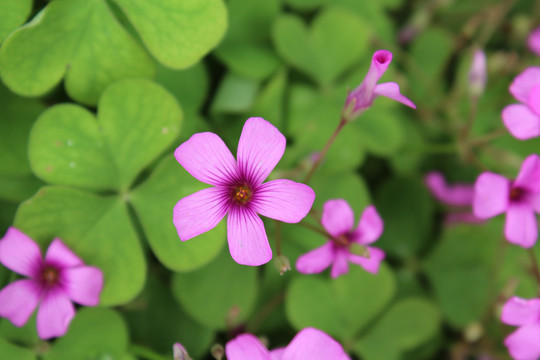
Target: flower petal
[529, 174]
[533, 41]
[277, 354]
[337, 217]
[199, 212]
[60, 255]
[534, 99]
[248, 243]
[391, 91]
[523, 343]
[246, 346]
[314, 344]
[54, 315]
[491, 193]
[521, 122]
[370, 226]
[517, 311]
[316, 260]
[19, 253]
[521, 227]
[18, 300]
[370, 264]
[260, 148]
[524, 82]
[457, 194]
[206, 157]
[283, 200]
[83, 284]
[341, 263]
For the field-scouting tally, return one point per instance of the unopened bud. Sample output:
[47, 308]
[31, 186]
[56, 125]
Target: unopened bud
[473, 332]
[360, 250]
[179, 352]
[217, 351]
[282, 264]
[478, 74]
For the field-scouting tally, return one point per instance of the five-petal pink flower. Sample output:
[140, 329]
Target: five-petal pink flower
[338, 220]
[523, 343]
[362, 96]
[494, 194]
[308, 344]
[54, 282]
[523, 120]
[238, 190]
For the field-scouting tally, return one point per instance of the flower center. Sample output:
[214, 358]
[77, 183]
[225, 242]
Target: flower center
[516, 193]
[241, 194]
[50, 275]
[342, 240]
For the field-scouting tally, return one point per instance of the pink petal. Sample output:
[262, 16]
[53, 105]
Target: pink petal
[523, 343]
[517, 311]
[491, 193]
[206, 157]
[370, 226]
[283, 200]
[246, 346]
[19, 253]
[18, 301]
[391, 91]
[457, 194]
[521, 227]
[341, 264]
[521, 122]
[200, 212]
[248, 243]
[380, 61]
[534, 99]
[533, 41]
[83, 284]
[54, 315]
[260, 148]
[314, 344]
[277, 354]
[524, 82]
[529, 174]
[316, 260]
[372, 264]
[337, 217]
[60, 255]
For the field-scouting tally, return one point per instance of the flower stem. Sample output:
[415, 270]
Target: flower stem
[145, 353]
[322, 154]
[534, 266]
[315, 228]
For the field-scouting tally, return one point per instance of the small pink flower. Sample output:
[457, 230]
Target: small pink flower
[308, 344]
[523, 343]
[460, 195]
[362, 97]
[523, 120]
[494, 195]
[54, 282]
[338, 220]
[534, 41]
[239, 190]
[478, 73]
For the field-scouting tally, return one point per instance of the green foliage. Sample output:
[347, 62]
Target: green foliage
[13, 14]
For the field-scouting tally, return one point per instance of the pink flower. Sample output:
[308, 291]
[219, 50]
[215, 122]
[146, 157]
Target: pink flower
[494, 195]
[534, 41]
[308, 344]
[523, 120]
[338, 220]
[523, 343]
[478, 73]
[54, 282]
[460, 195]
[362, 97]
[239, 190]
